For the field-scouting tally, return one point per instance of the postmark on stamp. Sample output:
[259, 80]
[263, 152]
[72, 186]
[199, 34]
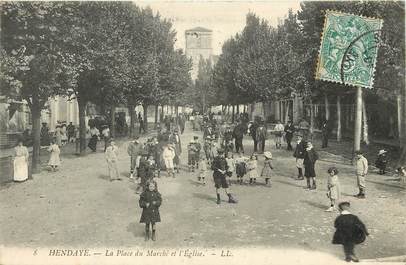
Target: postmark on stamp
[349, 49]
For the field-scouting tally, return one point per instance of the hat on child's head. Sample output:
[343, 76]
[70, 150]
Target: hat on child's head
[331, 169]
[382, 151]
[358, 152]
[343, 204]
[268, 154]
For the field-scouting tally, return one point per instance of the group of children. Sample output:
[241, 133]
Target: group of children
[241, 166]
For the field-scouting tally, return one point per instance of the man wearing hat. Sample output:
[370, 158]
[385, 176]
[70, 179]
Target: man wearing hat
[289, 130]
[350, 230]
[361, 171]
[299, 154]
[134, 150]
[219, 167]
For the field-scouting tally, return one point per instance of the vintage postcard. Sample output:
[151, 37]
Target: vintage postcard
[202, 132]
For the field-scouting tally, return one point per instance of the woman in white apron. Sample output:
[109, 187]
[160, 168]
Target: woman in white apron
[20, 162]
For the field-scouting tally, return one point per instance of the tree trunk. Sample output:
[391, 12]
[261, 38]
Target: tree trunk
[339, 136]
[311, 129]
[358, 120]
[132, 120]
[82, 125]
[238, 109]
[113, 121]
[402, 137]
[36, 131]
[327, 106]
[176, 110]
[145, 109]
[365, 123]
[286, 113]
[156, 115]
[233, 114]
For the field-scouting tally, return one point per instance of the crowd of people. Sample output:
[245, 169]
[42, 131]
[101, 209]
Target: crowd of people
[219, 153]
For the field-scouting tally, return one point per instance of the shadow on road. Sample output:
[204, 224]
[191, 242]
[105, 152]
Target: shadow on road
[136, 229]
[314, 204]
[105, 177]
[204, 196]
[288, 183]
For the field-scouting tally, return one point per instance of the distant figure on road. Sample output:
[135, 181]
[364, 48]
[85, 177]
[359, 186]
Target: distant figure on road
[150, 201]
[20, 162]
[261, 137]
[71, 132]
[238, 134]
[304, 128]
[106, 136]
[267, 169]
[54, 160]
[112, 159]
[309, 162]
[182, 121]
[45, 139]
[381, 161]
[325, 133]
[134, 150]
[219, 167]
[253, 133]
[361, 171]
[289, 131]
[94, 137]
[279, 129]
[350, 230]
[299, 154]
[174, 139]
[168, 155]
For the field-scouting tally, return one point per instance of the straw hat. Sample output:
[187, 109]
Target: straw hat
[268, 154]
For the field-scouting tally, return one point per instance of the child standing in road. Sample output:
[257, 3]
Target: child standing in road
[333, 188]
[267, 169]
[168, 155]
[252, 166]
[202, 169]
[231, 167]
[150, 201]
[349, 231]
[54, 160]
[240, 167]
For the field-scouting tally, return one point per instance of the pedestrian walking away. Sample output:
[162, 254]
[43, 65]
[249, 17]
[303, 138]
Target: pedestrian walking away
[333, 188]
[20, 162]
[299, 154]
[350, 231]
[361, 172]
[219, 167]
[150, 201]
[267, 169]
[309, 162]
[111, 158]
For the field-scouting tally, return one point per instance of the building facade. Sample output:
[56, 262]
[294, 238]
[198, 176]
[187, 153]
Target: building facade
[198, 44]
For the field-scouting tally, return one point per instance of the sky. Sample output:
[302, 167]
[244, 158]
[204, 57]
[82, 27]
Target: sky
[224, 18]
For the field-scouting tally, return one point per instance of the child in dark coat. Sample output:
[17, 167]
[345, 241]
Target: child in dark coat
[150, 201]
[349, 231]
[309, 162]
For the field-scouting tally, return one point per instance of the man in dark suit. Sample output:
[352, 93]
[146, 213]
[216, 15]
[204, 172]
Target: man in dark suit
[289, 131]
[350, 230]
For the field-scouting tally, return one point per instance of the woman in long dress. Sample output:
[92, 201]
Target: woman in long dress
[94, 137]
[20, 162]
[58, 135]
[54, 160]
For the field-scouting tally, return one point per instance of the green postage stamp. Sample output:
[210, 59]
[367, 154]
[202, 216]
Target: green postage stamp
[349, 49]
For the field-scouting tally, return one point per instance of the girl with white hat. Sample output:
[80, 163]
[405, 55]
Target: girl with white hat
[267, 169]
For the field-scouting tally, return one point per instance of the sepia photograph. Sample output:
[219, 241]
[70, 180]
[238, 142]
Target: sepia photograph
[202, 132]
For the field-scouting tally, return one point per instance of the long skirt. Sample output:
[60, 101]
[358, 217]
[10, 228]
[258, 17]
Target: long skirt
[93, 143]
[20, 169]
[168, 163]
